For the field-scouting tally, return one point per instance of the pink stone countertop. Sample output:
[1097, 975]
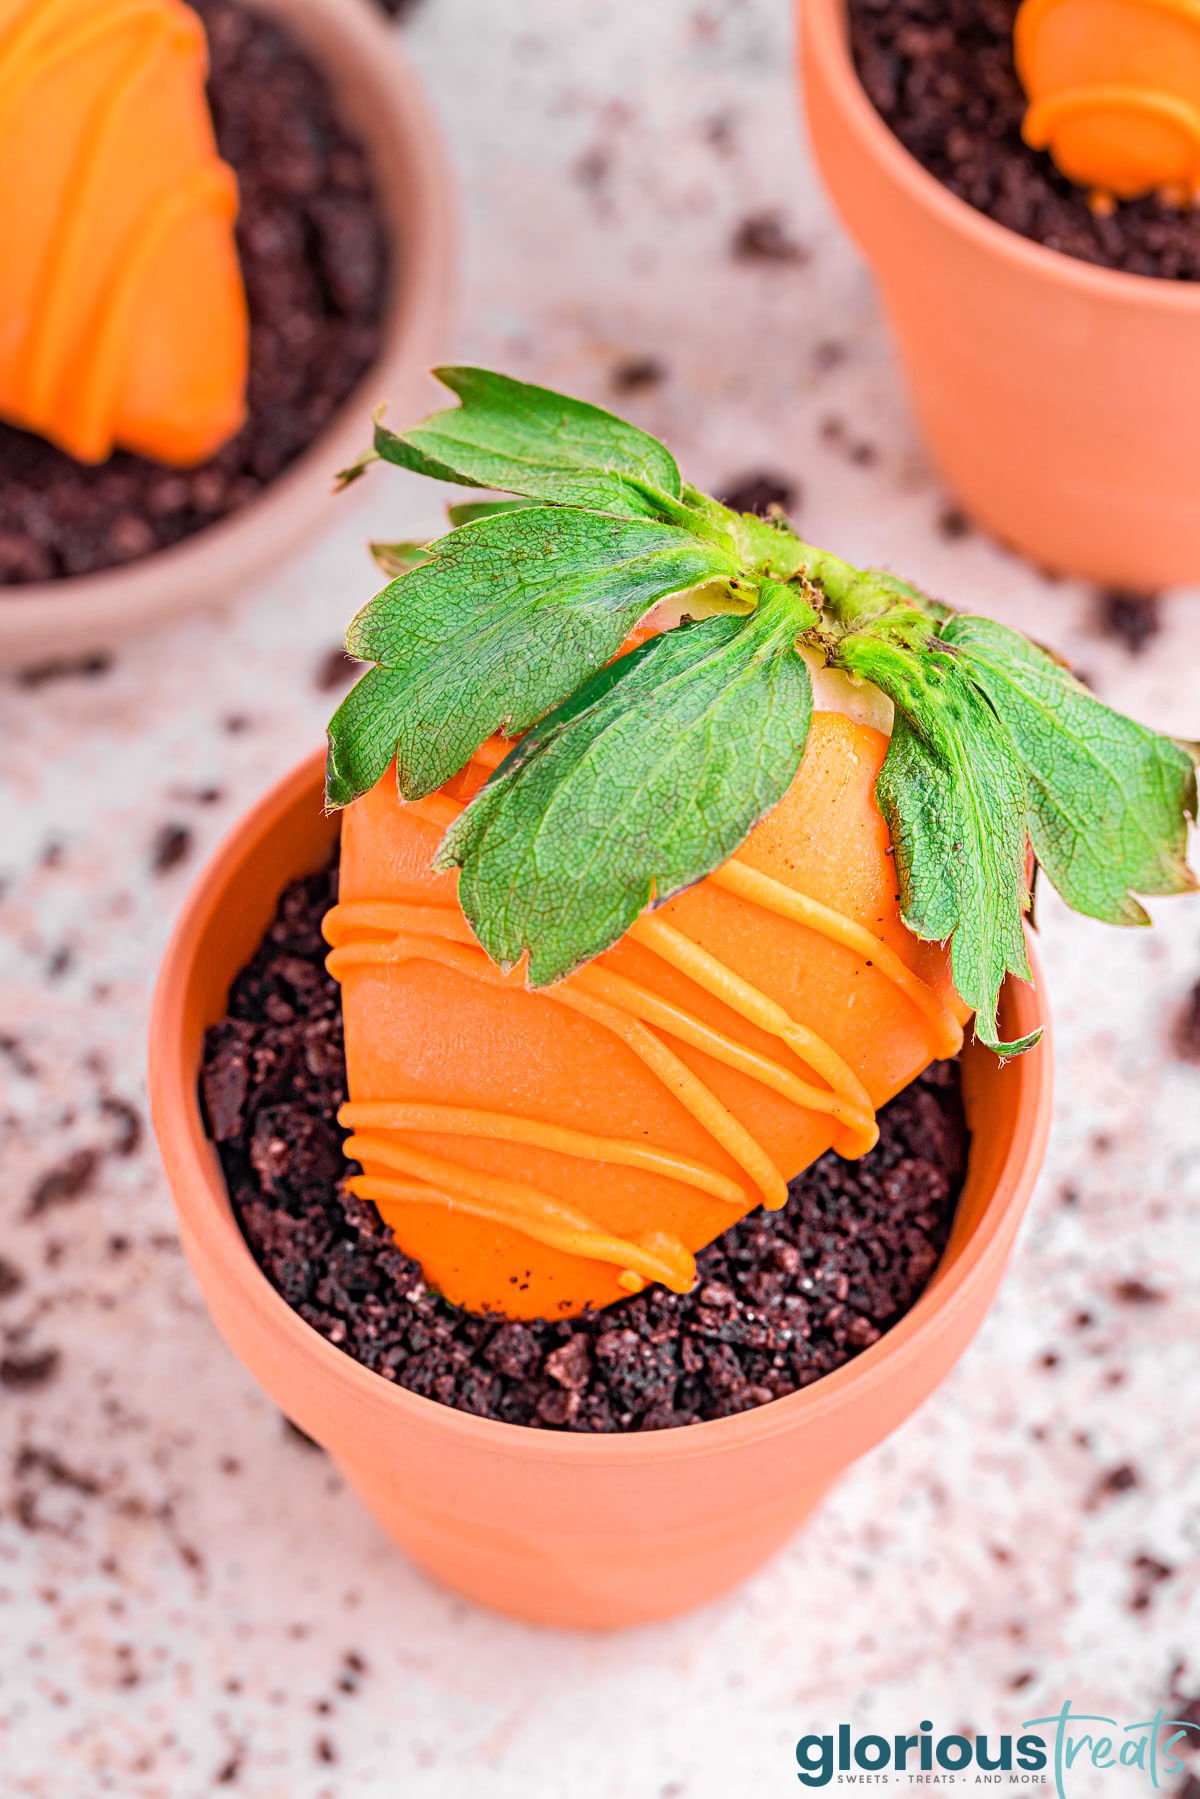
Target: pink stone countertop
[189, 1603]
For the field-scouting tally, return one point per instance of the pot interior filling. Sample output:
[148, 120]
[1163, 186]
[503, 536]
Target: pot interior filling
[780, 1299]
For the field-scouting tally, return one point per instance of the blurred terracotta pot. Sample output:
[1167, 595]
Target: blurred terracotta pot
[1060, 401]
[559, 1529]
[381, 96]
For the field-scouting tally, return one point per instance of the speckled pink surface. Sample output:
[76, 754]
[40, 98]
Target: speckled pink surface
[189, 1602]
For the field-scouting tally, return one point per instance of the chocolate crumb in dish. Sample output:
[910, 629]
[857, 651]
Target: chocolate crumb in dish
[315, 257]
[1135, 619]
[763, 492]
[780, 1299]
[943, 76]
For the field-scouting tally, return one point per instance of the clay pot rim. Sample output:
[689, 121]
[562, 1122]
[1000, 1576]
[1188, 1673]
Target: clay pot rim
[203, 1202]
[825, 35]
[383, 97]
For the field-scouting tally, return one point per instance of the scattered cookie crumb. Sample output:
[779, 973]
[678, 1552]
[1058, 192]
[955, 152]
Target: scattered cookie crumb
[763, 237]
[172, 845]
[1134, 619]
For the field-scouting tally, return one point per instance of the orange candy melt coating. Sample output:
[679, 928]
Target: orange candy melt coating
[1114, 90]
[538, 1152]
[122, 310]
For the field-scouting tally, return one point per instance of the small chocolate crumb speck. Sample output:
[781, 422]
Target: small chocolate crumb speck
[66, 1182]
[1116, 1481]
[11, 1278]
[128, 1122]
[954, 524]
[762, 237]
[21, 1373]
[1134, 619]
[637, 372]
[1136, 1292]
[66, 668]
[171, 846]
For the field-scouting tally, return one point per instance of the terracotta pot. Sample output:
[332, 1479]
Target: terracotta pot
[1060, 401]
[381, 95]
[555, 1528]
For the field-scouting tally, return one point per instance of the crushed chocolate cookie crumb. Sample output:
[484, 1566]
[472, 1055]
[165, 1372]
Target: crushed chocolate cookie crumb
[315, 258]
[20, 1373]
[65, 668]
[1136, 1292]
[1148, 1574]
[1134, 619]
[638, 372]
[127, 1119]
[11, 1278]
[763, 492]
[172, 845]
[942, 74]
[1121, 1479]
[763, 237]
[781, 1299]
[954, 524]
[67, 1181]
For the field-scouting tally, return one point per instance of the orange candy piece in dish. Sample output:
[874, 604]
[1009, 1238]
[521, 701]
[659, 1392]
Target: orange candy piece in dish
[1114, 91]
[540, 1152]
[122, 311]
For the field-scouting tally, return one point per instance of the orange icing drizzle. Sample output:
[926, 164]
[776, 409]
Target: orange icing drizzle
[376, 933]
[83, 318]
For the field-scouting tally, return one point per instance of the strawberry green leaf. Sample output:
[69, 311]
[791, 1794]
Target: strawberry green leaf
[953, 793]
[503, 621]
[1109, 800]
[398, 558]
[467, 511]
[519, 439]
[650, 776]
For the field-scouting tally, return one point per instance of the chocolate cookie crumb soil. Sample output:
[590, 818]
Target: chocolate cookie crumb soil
[942, 74]
[780, 1299]
[316, 260]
